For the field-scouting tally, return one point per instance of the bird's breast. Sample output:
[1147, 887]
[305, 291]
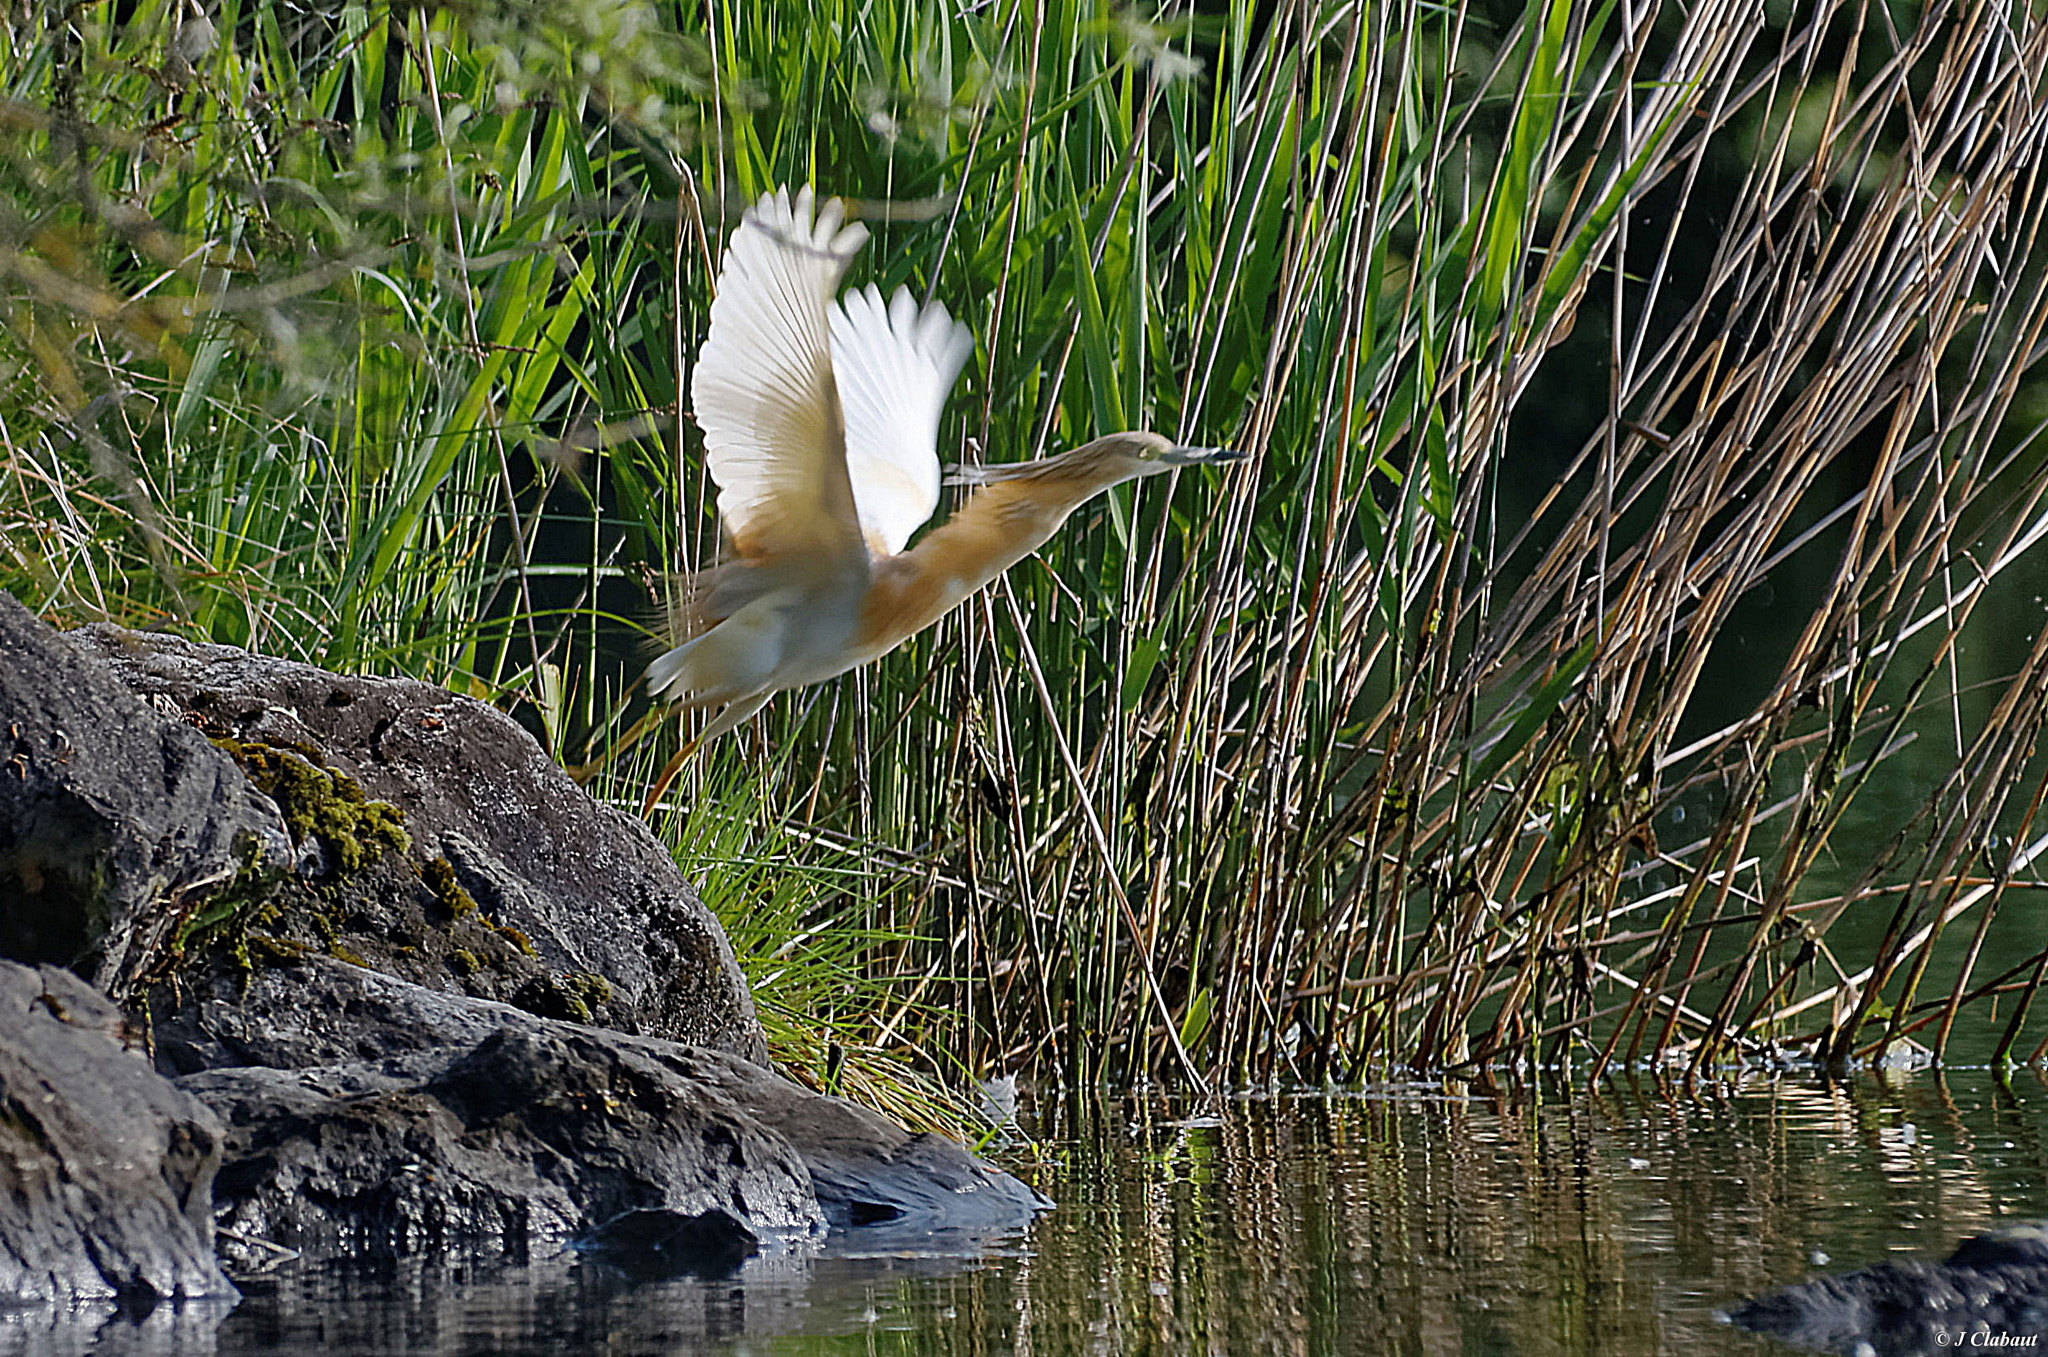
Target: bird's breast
[999, 526]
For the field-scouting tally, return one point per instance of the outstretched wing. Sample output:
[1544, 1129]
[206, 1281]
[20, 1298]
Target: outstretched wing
[763, 387]
[895, 364]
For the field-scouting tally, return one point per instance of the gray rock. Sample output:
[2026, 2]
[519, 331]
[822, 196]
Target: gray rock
[2022, 1244]
[533, 1137]
[516, 1133]
[868, 1172]
[115, 821]
[316, 1012]
[588, 888]
[1994, 1286]
[327, 976]
[106, 1170]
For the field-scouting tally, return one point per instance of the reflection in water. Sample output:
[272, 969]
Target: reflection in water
[1410, 1220]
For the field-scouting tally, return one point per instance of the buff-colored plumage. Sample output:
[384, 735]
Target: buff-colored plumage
[820, 422]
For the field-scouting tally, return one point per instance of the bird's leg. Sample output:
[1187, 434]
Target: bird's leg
[734, 713]
[581, 773]
[668, 775]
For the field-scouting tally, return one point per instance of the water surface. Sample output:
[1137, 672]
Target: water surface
[1420, 1219]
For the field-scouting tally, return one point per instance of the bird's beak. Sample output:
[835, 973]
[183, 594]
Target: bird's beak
[1187, 456]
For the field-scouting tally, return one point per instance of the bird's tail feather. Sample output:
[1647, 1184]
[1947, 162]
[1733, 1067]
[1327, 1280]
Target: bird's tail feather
[692, 602]
[666, 668]
[732, 659]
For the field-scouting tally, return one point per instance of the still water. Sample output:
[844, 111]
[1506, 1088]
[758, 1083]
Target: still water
[1426, 1219]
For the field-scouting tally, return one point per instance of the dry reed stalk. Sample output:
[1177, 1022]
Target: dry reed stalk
[1437, 766]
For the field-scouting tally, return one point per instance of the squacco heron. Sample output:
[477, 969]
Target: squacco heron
[820, 422]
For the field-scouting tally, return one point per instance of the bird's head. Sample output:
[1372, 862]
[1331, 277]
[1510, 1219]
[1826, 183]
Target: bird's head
[1107, 461]
[1137, 453]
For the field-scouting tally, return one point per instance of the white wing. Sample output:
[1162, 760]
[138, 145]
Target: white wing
[895, 365]
[763, 388]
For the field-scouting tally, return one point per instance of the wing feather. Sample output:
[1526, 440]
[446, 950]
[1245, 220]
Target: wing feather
[763, 387]
[894, 363]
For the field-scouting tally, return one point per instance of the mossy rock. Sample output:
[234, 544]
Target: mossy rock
[322, 803]
[439, 874]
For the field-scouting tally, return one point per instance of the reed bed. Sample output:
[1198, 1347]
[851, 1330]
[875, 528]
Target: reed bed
[1455, 733]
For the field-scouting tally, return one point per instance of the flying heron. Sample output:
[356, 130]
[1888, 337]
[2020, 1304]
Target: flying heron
[820, 423]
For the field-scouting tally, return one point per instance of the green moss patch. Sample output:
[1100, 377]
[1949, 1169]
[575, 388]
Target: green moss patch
[323, 803]
[439, 874]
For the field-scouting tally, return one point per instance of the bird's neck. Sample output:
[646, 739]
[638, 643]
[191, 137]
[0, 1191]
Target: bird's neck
[999, 525]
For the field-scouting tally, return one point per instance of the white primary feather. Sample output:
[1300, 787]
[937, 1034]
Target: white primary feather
[763, 389]
[894, 364]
